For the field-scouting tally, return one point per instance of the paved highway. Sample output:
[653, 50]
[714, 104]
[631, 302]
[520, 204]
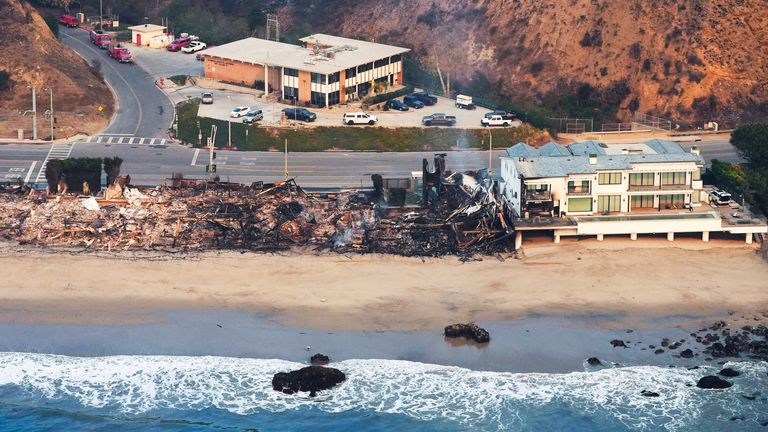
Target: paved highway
[144, 110]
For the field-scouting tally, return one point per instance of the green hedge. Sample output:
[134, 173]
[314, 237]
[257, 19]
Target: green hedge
[373, 100]
[321, 138]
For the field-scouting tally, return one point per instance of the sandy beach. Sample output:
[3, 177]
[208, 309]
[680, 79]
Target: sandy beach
[376, 292]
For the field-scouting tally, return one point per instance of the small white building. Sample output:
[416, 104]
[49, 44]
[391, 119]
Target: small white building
[592, 188]
[142, 34]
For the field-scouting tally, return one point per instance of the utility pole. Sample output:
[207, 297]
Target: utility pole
[34, 114]
[101, 16]
[490, 154]
[229, 133]
[211, 154]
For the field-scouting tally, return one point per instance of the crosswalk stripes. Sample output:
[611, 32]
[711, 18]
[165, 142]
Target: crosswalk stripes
[58, 151]
[125, 140]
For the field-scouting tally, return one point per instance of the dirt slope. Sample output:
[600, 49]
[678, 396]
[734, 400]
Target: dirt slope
[31, 55]
[692, 60]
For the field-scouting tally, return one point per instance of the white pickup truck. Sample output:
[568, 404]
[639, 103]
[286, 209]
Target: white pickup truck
[497, 120]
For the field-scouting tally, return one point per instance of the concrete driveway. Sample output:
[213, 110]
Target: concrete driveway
[160, 63]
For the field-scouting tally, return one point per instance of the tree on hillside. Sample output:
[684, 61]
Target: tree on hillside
[55, 3]
[752, 142]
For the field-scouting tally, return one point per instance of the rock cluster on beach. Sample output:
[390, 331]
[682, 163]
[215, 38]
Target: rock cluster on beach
[308, 379]
[468, 331]
[713, 382]
[319, 360]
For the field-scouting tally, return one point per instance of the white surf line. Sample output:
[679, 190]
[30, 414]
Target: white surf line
[194, 158]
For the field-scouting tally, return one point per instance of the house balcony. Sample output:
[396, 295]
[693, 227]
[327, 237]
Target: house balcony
[578, 191]
[537, 195]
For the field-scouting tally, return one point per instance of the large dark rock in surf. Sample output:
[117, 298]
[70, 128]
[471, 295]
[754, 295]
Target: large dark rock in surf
[618, 343]
[648, 393]
[594, 361]
[469, 331]
[686, 353]
[728, 372]
[319, 360]
[309, 379]
[713, 382]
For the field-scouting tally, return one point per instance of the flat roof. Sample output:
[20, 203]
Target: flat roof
[147, 27]
[336, 54]
[549, 161]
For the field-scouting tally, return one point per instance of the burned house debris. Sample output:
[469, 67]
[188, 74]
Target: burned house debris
[464, 216]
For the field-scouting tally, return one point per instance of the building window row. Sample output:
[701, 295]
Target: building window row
[608, 203]
[580, 204]
[641, 201]
[291, 72]
[609, 178]
[676, 201]
[380, 63]
[317, 98]
[364, 67]
[395, 58]
[334, 78]
[350, 73]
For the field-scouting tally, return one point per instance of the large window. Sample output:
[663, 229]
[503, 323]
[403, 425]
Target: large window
[580, 204]
[290, 92]
[380, 63]
[317, 98]
[291, 72]
[395, 58]
[537, 187]
[318, 78]
[673, 178]
[350, 73]
[608, 203]
[333, 98]
[579, 186]
[333, 78]
[641, 179]
[641, 201]
[675, 201]
[609, 178]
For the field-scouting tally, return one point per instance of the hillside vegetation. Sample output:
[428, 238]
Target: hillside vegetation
[30, 55]
[689, 60]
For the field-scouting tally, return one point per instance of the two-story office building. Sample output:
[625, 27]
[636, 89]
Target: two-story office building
[326, 70]
[592, 188]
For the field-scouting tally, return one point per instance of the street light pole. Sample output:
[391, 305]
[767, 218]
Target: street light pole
[286, 158]
[490, 154]
[51, 93]
[101, 17]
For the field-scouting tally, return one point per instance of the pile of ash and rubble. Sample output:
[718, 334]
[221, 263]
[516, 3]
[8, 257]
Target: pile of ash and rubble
[460, 214]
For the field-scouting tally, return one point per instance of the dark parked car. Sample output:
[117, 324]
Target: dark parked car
[396, 104]
[504, 115]
[425, 98]
[413, 102]
[302, 114]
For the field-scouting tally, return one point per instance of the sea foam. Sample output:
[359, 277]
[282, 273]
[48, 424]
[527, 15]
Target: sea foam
[487, 400]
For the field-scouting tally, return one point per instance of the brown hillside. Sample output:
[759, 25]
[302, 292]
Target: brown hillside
[692, 60]
[31, 54]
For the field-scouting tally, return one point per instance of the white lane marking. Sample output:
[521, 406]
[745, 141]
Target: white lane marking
[162, 142]
[141, 141]
[17, 169]
[55, 152]
[120, 140]
[248, 163]
[29, 173]
[13, 176]
[153, 141]
[89, 139]
[194, 158]
[131, 140]
[109, 140]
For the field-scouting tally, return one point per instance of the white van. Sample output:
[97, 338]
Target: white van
[360, 117]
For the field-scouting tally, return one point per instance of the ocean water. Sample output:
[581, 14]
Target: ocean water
[174, 393]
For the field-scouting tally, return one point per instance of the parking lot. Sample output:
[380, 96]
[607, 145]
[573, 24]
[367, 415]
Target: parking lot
[225, 100]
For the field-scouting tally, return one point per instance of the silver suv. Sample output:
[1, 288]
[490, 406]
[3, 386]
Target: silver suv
[253, 115]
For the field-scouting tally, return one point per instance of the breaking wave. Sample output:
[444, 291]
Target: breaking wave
[608, 399]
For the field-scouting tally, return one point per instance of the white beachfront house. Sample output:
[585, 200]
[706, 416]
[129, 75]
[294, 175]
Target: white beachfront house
[592, 188]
